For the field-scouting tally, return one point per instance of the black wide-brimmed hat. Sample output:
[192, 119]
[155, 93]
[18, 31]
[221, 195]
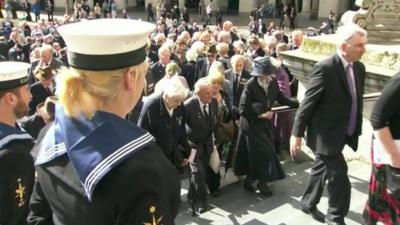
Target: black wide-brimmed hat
[264, 66]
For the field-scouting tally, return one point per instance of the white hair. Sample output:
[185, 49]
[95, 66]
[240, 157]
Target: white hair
[346, 32]
[191, 55]
[202, 82]
[239, 44]
[164, 48]
[236, 58]
[174, 87]
[199, 47]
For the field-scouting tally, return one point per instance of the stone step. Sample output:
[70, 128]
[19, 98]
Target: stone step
[236, 206]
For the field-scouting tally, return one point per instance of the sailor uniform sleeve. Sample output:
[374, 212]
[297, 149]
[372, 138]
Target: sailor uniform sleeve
[152, 199]
[16, 178]
[40, 212]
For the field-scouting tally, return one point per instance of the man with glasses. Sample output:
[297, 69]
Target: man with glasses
[204, 64]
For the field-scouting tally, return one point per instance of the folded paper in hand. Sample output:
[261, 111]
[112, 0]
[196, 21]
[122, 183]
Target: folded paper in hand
[215, 161]
[380, 154]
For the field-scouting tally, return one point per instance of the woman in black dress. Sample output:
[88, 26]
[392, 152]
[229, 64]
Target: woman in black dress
[255, 148]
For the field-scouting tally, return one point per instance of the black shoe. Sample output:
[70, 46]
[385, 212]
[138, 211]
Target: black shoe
[215, 193]
[331, 222]
[202, 207]
[248, 185]
[314, 213]
[263, 187]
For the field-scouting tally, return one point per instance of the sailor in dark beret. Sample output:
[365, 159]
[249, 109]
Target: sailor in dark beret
[93, 166]
[16, 163]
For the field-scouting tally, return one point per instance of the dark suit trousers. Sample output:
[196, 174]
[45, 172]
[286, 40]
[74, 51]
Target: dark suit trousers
[334, 170]
[199, 176]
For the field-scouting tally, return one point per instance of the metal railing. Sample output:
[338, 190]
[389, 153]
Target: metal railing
[366, 98]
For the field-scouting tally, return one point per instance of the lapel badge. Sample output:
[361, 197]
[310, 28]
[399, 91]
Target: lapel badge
[20, 193]
[179, 120]
[154, 220]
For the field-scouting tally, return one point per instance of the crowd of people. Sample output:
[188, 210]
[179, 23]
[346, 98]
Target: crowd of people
[166, 99]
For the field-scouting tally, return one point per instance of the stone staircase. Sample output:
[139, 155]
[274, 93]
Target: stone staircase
[237, 206]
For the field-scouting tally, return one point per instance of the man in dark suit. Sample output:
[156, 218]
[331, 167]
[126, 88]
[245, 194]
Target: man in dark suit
[228, 26]
[46, 59]
[237, 76]
[157, 70]
[189, 69]
[200, 116]
[203, 64]
[332, 114]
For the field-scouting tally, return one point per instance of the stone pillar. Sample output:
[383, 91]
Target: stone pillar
[306, 7]
[246, 5]
[314, 9]
[131, 4]
[181, 4]
[91, 4]
[221, 4]
[323, 12]
[121, 4]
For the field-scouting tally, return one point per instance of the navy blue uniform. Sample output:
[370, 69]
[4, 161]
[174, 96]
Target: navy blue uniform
[16, 175]
[169, 131]
[102, 171]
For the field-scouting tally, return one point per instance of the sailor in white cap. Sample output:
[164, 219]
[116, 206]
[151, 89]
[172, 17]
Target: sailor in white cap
[16, 163]
[93, 166]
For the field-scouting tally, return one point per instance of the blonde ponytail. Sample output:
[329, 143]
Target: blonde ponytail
[73, 96]
[83, 92]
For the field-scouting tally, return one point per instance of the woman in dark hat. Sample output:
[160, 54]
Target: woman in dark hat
[93, 166]
[43, 88]
[255, 148]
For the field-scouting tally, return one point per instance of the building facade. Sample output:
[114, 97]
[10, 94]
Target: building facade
[313, 8]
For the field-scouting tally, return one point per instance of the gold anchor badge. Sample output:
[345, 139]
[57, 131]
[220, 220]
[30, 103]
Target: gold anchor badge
[154, 222]
[20, 192]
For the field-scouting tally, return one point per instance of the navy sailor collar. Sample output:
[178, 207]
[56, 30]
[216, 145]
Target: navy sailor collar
[95, 146]
[9, 134]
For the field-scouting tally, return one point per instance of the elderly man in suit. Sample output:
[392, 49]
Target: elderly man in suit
[237, 76]
[200, 116]
[332, 114]
[157, 70]
[46, 59]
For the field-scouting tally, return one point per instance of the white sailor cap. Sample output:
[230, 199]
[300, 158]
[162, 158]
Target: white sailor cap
[106, 44]
[13, 74]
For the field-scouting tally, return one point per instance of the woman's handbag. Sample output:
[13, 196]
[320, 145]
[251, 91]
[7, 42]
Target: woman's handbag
[393, 181]
[226, 131]
[380, 156]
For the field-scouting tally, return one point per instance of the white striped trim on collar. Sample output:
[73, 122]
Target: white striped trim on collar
[49, 154]
[106, 164]
[12, 137]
